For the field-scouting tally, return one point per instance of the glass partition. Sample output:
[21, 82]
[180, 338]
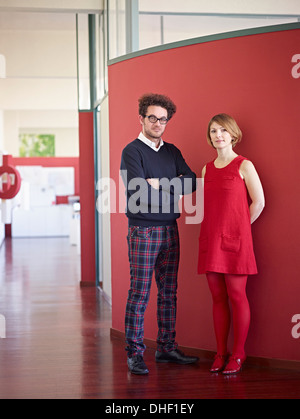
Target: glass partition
[91, 59]
[167, 21]
[158, 29]
[83, 68]
[101, 57]
[116, 28]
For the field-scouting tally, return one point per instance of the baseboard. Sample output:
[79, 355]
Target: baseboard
[105, 296]
[84, 284]
[270, 363]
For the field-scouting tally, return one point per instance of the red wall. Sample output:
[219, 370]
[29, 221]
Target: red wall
[250, 78]
[87, 199]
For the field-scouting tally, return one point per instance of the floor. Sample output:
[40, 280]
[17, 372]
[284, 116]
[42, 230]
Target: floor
[58, 343]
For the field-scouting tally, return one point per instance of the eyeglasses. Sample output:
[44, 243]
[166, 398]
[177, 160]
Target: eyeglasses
[153, 119]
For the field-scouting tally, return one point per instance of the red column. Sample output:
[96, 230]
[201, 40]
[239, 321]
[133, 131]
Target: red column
[87, 198]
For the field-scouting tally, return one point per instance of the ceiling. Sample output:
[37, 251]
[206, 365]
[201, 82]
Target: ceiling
[37, 21]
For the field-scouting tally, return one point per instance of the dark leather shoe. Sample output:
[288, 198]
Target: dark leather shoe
[175, 356]
[137, 365]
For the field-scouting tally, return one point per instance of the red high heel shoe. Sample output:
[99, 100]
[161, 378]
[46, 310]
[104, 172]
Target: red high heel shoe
[219, 363]
[234, 365]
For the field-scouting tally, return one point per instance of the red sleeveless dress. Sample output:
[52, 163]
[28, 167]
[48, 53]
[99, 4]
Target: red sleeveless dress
[225, 242]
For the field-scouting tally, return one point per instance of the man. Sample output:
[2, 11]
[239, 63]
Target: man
[155, 175]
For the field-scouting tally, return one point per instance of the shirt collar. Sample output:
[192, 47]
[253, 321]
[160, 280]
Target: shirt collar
[150, 143]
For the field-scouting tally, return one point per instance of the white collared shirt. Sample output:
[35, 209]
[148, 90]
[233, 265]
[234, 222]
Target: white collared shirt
[150, 143]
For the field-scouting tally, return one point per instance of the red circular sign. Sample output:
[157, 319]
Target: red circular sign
[11, 189]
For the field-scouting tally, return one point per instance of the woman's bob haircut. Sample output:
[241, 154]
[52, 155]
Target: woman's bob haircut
[227, 122]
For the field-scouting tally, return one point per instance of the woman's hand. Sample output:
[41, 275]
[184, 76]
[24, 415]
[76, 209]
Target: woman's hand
[154, 183]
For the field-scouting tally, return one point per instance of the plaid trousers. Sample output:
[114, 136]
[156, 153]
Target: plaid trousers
[152, 249]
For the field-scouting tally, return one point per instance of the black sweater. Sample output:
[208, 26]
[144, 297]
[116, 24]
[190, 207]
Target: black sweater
[147, 206]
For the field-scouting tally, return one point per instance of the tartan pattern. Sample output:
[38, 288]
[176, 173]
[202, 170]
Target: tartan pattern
[152, 249]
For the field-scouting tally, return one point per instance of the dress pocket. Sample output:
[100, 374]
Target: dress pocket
[203, 245]
[230, 243]
[228, 182]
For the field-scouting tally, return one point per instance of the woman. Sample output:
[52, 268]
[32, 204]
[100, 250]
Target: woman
[225, 245]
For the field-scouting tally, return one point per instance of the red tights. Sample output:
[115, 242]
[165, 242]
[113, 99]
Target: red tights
[232, 287]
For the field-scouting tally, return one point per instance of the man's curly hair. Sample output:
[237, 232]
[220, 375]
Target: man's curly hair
[153, 99]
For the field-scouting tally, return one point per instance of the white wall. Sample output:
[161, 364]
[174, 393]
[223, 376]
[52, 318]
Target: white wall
[1, 131]
[41, 74]
[220, 6]
[39, 94]
[64, 125]
[167, 21]
[231, 16]
[86, 6]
